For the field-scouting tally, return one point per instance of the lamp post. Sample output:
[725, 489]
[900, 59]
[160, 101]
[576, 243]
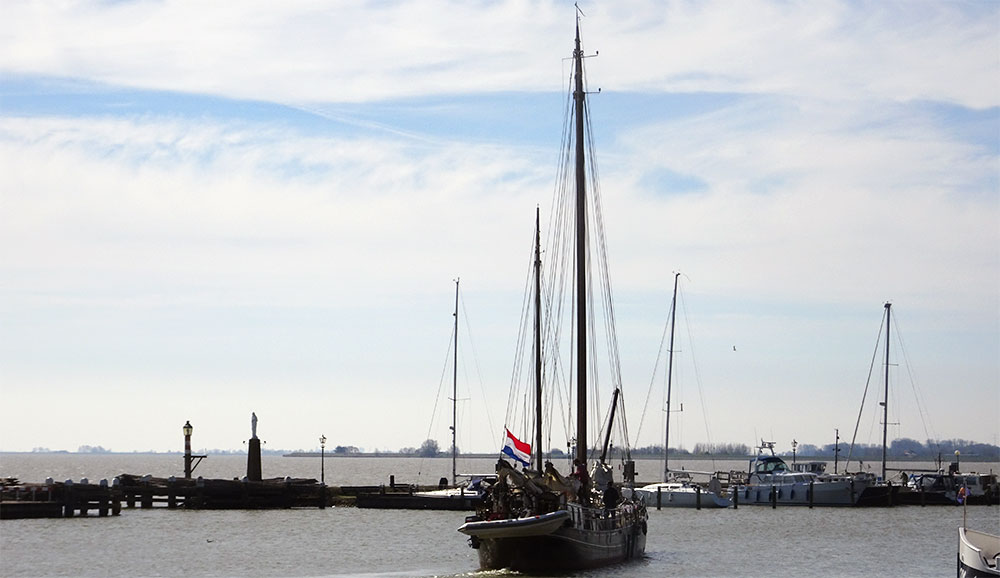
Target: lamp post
[322, 459]
[187, 449]
[795, 445]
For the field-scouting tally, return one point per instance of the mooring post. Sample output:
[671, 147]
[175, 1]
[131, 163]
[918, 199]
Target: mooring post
[69, 502]
[888, 495]
[172, 492]
[697, 497]
[774, 498]
[736, 497]
[811, 494]
[659, 497]
[146, 493]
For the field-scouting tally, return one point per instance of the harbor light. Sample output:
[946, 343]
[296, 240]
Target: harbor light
[322, 459]
[188, 430]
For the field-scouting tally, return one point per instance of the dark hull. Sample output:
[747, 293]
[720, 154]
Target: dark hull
[970, 572]
[878, 496]
[568, 548]
[909, 497]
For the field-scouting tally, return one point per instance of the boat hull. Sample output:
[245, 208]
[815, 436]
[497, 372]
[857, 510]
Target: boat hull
[565, 549]
[680, 497]
[516, 527]
[399, 501]
[821, 494]
[978, 554]
[562, 540]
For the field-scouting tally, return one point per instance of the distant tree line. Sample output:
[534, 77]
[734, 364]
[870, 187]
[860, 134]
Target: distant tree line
[899, 449]
[700, 449]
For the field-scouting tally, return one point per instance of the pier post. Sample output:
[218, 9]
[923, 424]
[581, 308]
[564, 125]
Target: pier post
[774, 498]
[811, 494]
[171, 493]
[659, 497]
[697, 497]
[69, 500]
[736, 497]
[145, 494]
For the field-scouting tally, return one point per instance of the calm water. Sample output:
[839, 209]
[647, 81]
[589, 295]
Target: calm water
[750, 541]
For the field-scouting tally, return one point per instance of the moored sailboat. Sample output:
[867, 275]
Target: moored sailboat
[537, 519]
[677, 490]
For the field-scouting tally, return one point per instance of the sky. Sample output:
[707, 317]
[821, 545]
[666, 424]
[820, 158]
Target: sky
[208, 210]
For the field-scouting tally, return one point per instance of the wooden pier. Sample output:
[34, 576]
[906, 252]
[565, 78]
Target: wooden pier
[215, 494]
[58, 499]
[398, 496]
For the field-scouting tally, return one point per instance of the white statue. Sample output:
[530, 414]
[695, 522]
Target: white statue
[253, 424]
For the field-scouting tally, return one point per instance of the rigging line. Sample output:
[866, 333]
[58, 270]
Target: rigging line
[652, 379]
[515, 390]
[924, 416]
[437, 397]
[697, 375]
[871, 369]
[552, 367]
[479, 373]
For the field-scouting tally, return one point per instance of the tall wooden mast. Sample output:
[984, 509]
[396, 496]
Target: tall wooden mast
[670, 371]
[454, 396]
[581, 256]
[538, 341]
[885, 400]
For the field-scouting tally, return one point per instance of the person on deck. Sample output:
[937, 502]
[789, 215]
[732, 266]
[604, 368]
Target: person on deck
[611, 497]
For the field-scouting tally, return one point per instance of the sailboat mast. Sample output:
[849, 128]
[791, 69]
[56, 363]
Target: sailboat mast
[538, 341]
[885, 400]
[670, 372]
[454, 396]
[581, 258]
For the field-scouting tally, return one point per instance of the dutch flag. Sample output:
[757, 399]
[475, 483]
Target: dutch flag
[516, 449]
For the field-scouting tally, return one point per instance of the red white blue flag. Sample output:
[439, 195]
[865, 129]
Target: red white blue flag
[516, 449]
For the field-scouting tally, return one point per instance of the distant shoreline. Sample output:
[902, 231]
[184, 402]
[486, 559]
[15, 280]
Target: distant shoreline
[638, 457]
[643, 457]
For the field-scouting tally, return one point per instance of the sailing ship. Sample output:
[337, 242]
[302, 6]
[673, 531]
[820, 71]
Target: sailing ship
[537, 519]
[677, 490]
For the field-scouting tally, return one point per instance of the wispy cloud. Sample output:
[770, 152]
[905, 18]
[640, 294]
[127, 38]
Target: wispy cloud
[351, 52]
[236, 197]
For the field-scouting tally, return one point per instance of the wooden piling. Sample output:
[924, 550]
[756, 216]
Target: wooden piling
[659, 497]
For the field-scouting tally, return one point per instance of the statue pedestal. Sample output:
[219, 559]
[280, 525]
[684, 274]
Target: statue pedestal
[253, 460]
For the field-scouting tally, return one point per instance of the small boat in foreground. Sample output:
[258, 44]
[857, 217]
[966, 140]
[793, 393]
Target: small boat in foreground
[978, 554]
[540, 525]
